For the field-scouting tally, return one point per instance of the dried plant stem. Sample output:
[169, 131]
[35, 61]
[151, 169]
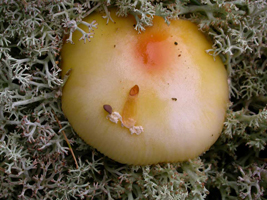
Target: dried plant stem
[66, 139]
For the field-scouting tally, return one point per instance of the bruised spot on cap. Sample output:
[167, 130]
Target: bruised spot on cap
[153, 51]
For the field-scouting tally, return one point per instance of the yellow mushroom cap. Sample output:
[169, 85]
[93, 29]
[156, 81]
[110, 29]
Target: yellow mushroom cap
[161, 82]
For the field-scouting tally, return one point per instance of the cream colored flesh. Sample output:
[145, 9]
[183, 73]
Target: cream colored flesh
[183, 92]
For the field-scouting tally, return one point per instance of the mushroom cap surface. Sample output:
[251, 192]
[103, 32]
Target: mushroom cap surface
[182, 97]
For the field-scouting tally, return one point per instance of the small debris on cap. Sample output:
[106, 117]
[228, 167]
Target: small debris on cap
[108, 108]
[134, 90]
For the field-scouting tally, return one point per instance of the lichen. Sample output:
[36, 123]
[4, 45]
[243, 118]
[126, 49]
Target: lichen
[35, 162]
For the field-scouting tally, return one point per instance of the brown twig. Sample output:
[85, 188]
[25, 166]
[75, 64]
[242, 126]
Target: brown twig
[66, 139]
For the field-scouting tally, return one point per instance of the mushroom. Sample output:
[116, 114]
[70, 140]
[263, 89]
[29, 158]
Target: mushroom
[164, 97]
